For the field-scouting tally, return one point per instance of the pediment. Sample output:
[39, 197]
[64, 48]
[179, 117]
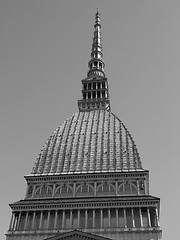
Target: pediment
[76, 235]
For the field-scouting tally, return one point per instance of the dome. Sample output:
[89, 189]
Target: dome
[89, 142]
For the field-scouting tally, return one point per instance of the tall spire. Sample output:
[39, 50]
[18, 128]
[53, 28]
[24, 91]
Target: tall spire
[96, 64]
[95, 93]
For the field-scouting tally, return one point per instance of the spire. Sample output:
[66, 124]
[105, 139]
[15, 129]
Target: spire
[95, 93]
[96, 64]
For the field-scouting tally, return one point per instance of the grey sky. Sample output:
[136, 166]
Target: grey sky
[44, 50]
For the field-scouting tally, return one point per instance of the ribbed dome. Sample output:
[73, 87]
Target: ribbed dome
[89, 142]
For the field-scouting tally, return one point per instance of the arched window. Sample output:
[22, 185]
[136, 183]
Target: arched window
[43, 190]
[106, 187]
[89, 95]
[100, 65]
[30, 191]
[64, 189]
[127, 187]
[84, 188]
[94, 86]
[89, 86]
[58, 190]
[85, 86]
[99, 187]
[49, 191]
[98, 94]
[38, 191]
[134, 187]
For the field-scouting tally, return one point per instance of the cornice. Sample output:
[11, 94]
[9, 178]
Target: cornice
[55, 204]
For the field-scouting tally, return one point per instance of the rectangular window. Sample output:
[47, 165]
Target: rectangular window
[94, 86]
[90, 219]
[29, 221]
[37, 221]
[44, 220]
[59, 220]
[137, 219]
[51, 220]
[82, 219]
[75, 219]
[144, 217]
[153, 217]
[67, 220]
[97, 219]
[129, 218]
[121, 218]
[105, 218]
[113, 218]
[22, 222]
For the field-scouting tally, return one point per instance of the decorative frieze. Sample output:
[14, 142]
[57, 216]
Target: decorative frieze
[85, 188]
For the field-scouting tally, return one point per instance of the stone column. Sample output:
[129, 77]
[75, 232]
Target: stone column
[78, 217]
[15, 222]
[132, 212]
[101, 214]
[71, 218]
[34, 187]
[125, 221]
[48, 219]
[157, 217]
[138, 187]
[18, 221]
[40, 222]
[86, 218]
[116, 188]
[26, 221]
[54, 189]
[11, 222]
[93, 218]
[109, 218]
[117, 218]
[63, 220]
[95, 186]
[149, 217]
[33, 220]
[55, 219]
[74, 189]
[145, 187]
[141, 219]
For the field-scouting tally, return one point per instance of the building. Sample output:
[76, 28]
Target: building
[88, 181]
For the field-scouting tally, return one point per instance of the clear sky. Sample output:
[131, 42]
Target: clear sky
[44, 50]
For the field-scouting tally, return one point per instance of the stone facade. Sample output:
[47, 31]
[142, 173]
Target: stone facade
[88, 175]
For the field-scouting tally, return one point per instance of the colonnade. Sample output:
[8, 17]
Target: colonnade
[85, 219]
[95, 94]
[95, 85]
[96, 90]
